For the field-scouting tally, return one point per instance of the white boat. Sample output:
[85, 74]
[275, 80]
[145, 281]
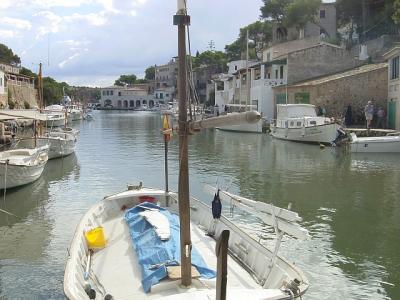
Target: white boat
[54, 119]
[75, 112]
[60, 144]
[22, 166]
[249, 128]
[299, 122]
[378, 144]
[254, 271]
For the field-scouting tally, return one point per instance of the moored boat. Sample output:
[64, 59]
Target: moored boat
[22, 166]
[299, 122]
[254, 271]
[378, 144]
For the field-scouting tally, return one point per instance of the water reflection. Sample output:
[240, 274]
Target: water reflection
[348, 202]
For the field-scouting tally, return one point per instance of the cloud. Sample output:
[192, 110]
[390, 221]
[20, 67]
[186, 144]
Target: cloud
[69, 59]
[95, 19]
[17, 23]
[7, 33]
[60, 3]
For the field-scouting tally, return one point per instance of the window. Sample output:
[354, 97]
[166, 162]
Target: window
[394, 66]
[119, 94]
[111, 93]
[161, 95]
[166, 95]
[291, 124]
[104, 93]
[235, 68]
[299, 124]
[269, 75]
[322, 14]
[276, 74]
[281, 72]
[1, 81]
[108, 93]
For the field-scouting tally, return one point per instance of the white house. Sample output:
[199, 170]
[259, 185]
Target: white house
[393, 111]
[232, 90]
[119, 97]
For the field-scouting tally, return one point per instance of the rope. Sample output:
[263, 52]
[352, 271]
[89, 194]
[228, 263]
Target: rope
[5, 189]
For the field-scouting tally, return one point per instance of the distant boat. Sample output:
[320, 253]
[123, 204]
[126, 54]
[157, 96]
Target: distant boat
[249, 128]
[378, 144]
[299, 122]
[22, 166]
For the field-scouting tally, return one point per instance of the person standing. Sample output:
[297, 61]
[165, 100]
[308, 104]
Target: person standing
[369, 113]
[381, 118]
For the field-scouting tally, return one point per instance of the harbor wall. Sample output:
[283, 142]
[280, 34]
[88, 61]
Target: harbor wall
[21, 96]
[335, 95]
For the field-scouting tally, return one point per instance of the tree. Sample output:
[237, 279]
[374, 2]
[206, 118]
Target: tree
[260, 33]
[208, 58]
[27, 72]
[7, 55]
[274, 9]
[125, 80]
[150, 73]
[300, 12]
[396, 14]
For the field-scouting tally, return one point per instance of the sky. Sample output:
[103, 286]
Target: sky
[92, 42]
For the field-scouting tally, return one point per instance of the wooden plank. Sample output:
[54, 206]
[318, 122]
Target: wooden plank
[221, 250]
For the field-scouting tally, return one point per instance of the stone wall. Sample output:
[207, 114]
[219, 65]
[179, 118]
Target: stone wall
[336, 95]
[320, 60]
[18, 95]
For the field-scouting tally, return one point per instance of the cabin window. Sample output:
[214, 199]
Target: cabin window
[313, 123]
[298, 123]
[394, 68]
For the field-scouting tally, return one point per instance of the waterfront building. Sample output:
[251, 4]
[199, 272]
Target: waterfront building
[119, 97]
[393, 88]
[16, 90]
[167, 75]
[337, 91]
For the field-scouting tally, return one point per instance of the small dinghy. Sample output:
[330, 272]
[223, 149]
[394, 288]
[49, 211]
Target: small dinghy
[22, 166]
[377, 144]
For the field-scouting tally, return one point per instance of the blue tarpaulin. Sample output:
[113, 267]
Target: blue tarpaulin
[154, 255]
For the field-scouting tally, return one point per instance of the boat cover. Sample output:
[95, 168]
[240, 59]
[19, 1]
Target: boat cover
[154, 255]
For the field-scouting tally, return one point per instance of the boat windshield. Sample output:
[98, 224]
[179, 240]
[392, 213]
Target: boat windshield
[296, 111]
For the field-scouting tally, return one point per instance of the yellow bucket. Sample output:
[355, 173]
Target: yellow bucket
[95, 238]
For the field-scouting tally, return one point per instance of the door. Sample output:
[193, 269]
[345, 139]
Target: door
[392, 114]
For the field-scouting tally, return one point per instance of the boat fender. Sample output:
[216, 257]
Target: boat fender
[108, 297]
[216, 206]
[294, 287]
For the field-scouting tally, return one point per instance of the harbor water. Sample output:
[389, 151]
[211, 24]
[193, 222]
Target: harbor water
[348, 202]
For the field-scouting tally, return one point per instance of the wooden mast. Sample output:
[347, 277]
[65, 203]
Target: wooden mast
[181, 19]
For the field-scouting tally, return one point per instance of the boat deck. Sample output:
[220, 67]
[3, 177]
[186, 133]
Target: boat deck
[116, 267]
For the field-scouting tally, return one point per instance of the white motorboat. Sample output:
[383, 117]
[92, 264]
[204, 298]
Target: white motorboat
[75, 113]
[22, 166]
[378, 144]
[60, 144]
[150, 244]
[54, 119]
[299, 122]
[254, 271]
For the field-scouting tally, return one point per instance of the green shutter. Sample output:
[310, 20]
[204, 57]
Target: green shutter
[280, 99]
[302, 98]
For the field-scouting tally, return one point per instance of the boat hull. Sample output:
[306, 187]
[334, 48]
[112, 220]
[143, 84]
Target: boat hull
[22, 171]
[118, 255]
[325, 134]
[384, 144]
[58, 147]
[248, 128]
[56, 122]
